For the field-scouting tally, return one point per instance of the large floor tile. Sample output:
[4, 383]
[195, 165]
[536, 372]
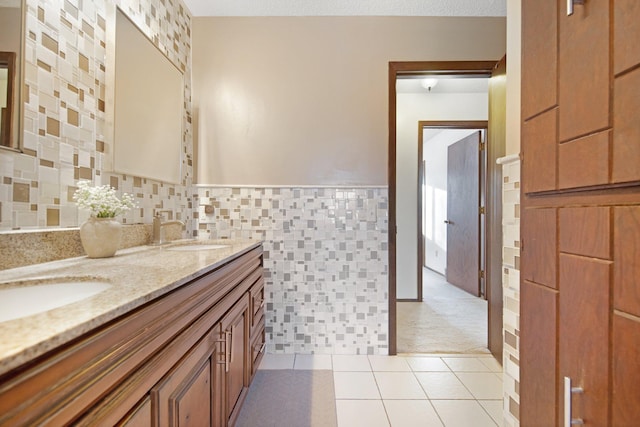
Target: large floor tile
[482, 385]
[442, 385]
[389, 363]
[494, 408]
[427, 364]
[355, 385]
[351, 363]
[462, 413]
[361, 413]
[313, 361]
[277, 361]
[491, 363]
[399, 385]
[411, 413]
[466, 364]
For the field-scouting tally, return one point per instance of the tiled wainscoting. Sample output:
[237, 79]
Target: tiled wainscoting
[65, 128]
[511, 290]
[326, 252]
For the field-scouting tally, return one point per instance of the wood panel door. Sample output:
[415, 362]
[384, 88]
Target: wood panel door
[191, 393]
[235, 332]
[463, 214]
[580, 260]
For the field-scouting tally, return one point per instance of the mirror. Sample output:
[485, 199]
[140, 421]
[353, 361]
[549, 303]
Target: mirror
[148, 106]
[11, 20]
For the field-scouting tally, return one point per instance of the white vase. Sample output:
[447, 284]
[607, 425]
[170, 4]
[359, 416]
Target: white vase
[100, 237]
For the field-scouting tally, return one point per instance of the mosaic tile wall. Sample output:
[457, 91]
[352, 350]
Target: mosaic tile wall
[64, 126]
[511, 291]
[326, 271]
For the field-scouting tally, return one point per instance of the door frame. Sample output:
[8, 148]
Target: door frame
[415, 68]
[482, 179]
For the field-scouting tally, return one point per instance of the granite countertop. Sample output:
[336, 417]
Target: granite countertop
[136, 276]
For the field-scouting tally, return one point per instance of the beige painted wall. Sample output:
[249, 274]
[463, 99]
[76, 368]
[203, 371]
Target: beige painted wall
[303, 100]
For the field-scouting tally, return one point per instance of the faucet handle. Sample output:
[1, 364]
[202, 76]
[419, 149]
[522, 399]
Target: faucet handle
[159, 213]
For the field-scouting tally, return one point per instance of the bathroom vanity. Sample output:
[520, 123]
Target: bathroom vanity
[175, 339]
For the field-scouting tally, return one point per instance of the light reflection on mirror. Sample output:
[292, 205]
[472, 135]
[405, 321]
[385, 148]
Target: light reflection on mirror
[11, 19]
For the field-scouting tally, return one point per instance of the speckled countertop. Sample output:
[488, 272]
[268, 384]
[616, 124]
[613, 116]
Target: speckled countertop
[136, 276]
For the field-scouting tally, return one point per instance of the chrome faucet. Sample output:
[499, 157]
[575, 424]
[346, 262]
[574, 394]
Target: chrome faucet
[158, 237]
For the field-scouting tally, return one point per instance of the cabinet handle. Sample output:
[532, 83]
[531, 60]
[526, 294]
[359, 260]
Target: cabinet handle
[261, 303]
[568, 392]
[264, 344]
[222, 356]
[570, 4]
[227, 357]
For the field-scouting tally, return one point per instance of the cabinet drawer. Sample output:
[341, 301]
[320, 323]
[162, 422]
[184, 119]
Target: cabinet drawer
[257, 304]
[258, 345]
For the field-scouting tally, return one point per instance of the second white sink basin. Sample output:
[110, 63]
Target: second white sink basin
[26, 298]
[196, 247]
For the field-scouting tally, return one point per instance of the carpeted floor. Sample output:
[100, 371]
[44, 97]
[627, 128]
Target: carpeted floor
[290, 398]
[448, 321]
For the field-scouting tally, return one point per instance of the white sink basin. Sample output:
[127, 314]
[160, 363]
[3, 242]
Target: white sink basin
[196, 247]
[26, 298]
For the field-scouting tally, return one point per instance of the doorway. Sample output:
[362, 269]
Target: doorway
[495, 149]
[450, 314]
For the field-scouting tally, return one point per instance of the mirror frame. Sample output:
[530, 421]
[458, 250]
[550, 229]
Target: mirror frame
[17, 132]
[109, 161]
[8, 61]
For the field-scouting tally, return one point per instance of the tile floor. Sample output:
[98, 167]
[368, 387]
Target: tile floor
[454, 390]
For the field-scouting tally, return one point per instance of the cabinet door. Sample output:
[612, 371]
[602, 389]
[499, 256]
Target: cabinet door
[190, 394]
[583, 64]
[257, 305]
[140, 416]
[235, 332]
[540, 56]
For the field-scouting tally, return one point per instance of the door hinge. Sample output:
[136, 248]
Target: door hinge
[481, 274]
[482, 146]
[482, 211]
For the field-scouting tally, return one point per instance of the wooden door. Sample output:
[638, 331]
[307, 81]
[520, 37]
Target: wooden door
[235, 332]
[580, 297]
[140, 416]
[463, 210]
[191, 393]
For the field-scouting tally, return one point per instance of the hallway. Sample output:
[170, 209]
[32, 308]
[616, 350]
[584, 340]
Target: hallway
[449, 320]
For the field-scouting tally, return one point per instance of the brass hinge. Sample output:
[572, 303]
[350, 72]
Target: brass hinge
[482, 210]
[481, 274]
[482, 146]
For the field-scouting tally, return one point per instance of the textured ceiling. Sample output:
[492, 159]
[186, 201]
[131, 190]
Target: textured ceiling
[347, 7]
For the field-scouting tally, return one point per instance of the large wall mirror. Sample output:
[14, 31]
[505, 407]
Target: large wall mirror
[11, 39]
[148, 106]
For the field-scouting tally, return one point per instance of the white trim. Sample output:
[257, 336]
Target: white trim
[512, 158]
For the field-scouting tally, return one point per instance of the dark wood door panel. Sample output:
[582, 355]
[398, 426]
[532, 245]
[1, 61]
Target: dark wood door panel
[626, 250]
[626, 33]
[584, 335]
[583, 91]
[584, 162]
[540, 65]
[626, 371]
[585, 231]
[190, 406]
[539, 246]
[538, 352]
[540, 152]
[626, 133]
[463, 204]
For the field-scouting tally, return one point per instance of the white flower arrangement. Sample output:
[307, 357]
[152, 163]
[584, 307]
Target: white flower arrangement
[101, 201]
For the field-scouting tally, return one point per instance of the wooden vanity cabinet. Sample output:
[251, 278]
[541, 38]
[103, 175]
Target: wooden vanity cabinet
[183, 359]
[257, 326]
